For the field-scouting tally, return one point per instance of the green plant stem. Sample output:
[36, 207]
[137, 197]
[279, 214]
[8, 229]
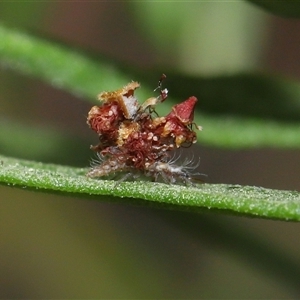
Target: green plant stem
[252, 201]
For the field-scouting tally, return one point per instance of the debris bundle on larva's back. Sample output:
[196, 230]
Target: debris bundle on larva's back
[135, 140]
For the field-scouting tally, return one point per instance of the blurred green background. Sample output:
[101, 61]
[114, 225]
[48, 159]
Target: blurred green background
[57, 247]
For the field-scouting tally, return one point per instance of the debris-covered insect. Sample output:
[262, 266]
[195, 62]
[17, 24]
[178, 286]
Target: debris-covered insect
[135, 140]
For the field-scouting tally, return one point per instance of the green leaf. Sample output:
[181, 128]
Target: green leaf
[232, 132]
[58, 65]
[252, 201]
[285, 8]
